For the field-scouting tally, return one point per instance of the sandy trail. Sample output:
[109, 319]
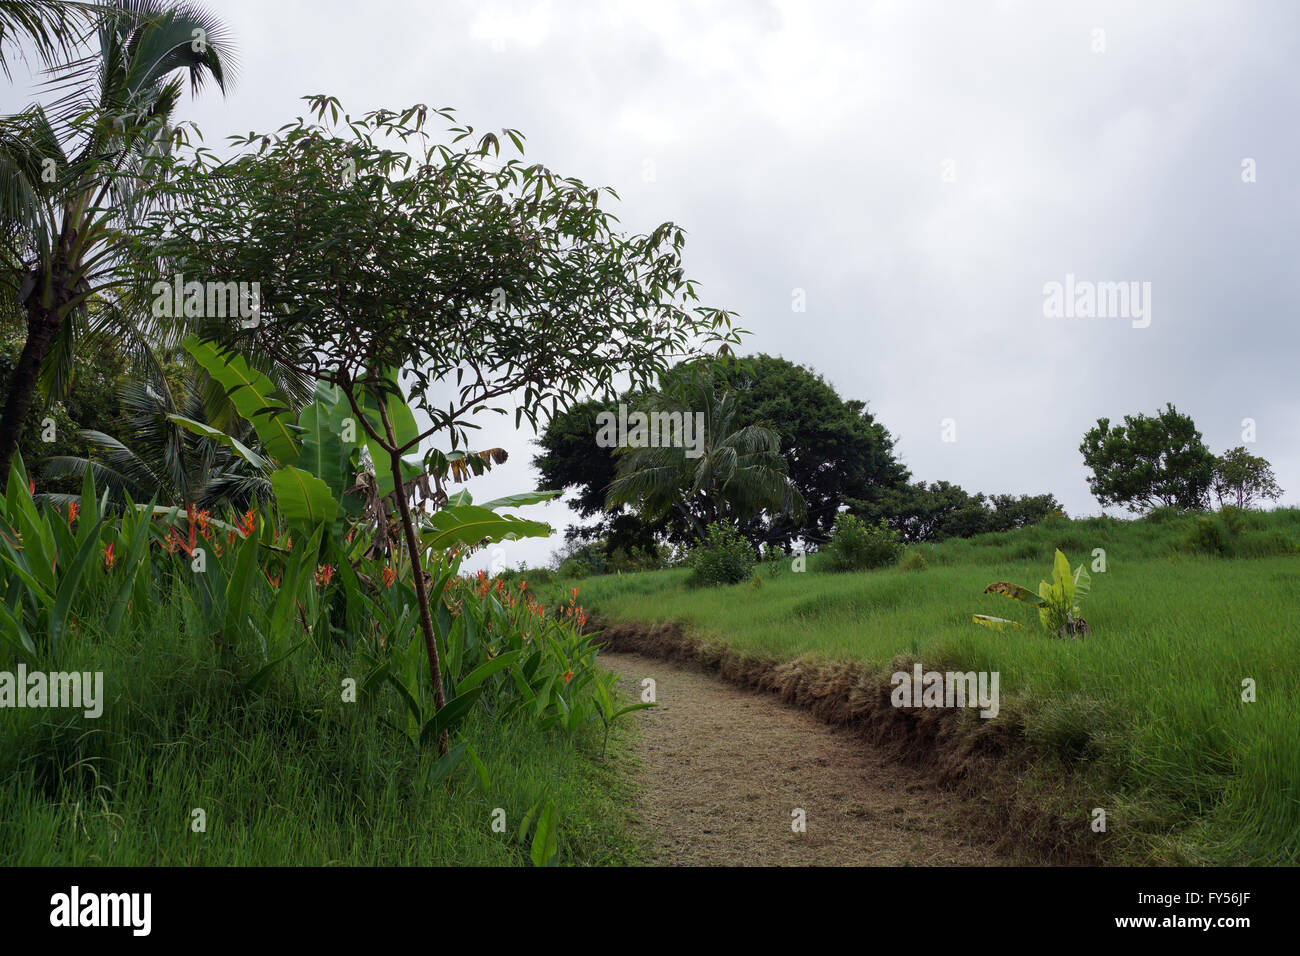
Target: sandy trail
[721, 769]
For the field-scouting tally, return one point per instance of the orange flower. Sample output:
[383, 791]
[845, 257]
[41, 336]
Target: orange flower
[110, 558]
[390, 575]
[575, 594]
[202, 519]
[568, 676]
[249, 522]
[275, 581]
[74, 509]
[523, 585]
[324, 574]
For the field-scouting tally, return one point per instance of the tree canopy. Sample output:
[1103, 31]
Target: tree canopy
[1149, 461]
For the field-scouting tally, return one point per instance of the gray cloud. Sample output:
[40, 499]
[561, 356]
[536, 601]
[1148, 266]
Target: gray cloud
[804, 145]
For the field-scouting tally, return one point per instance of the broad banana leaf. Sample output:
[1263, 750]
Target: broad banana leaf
[324, 452]
[472, 525]
[303, 498]
[253, 396]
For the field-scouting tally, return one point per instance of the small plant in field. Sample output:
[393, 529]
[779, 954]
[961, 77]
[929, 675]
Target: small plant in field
[723, 557]
[914, 561]
[1056, 600]
[857, 546]
[1207, 537]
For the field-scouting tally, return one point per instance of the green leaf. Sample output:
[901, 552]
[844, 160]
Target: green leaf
[451, 714]
[217, 435]
[447, 763]
[324, 453]
[472, 524]
[485, 670]
[546, 838]
[69, 587]
[515, 501]
[252, 394]
[239, 592]
[304, 499]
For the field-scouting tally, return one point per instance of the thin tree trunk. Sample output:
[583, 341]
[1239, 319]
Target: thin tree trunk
[42, 324]
[421, 591]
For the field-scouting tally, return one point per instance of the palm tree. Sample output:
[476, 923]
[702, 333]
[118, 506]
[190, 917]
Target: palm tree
[73, 178]
[54, 28]
[738, 473]
[158, 458]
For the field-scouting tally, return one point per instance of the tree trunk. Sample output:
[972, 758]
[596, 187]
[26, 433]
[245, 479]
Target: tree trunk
[421, 591]
[42, 324]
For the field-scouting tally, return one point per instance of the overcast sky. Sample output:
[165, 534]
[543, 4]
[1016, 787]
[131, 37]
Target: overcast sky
[919, 171]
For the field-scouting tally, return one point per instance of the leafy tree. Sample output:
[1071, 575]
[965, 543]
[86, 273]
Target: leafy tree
[572, 459]
[90, 402]
[72, 178]
[941, 510]
[1244, 478]
[737, 474]
[479, 280]
[834, 448]
[1149, 461]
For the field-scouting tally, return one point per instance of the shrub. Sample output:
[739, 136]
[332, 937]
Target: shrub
[856, 546]
[1207, 537]
[915, 561]
[723, 557]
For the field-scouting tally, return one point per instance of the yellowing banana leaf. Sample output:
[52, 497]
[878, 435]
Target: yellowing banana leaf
[997, 623]
[1014, 591]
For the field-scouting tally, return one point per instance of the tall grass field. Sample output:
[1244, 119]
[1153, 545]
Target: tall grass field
[1145, 716]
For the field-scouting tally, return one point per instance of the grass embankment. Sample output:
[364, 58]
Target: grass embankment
[292, 776]
[1144, 718]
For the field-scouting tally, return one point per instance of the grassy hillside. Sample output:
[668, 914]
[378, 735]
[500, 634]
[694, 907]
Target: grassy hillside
[1144, 718]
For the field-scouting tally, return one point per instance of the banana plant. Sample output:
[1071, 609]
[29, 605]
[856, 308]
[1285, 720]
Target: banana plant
[1056, 600]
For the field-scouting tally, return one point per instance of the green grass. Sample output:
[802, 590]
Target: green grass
[1145, 716]
[293, 777]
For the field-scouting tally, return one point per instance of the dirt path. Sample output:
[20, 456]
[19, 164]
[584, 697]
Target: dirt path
[721, 769]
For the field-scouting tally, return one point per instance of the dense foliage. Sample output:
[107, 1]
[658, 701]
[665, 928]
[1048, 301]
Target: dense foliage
[724, 556]
[857, 546]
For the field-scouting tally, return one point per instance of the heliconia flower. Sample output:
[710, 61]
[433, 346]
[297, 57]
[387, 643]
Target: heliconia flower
[523, 585]
[109, 557]
[575, 594]
[390, 575]
[31, 486]
[568, 676]
[248, 523]
[275, 581]
[74, 509]
[323, 574]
